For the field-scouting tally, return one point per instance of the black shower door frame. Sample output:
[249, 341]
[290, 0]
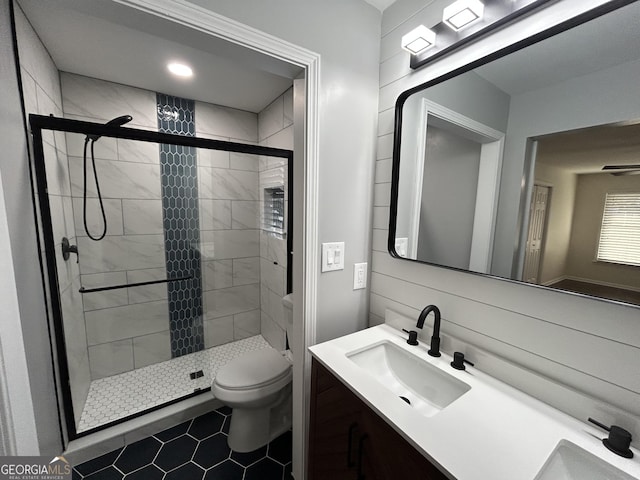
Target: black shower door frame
[38, 123]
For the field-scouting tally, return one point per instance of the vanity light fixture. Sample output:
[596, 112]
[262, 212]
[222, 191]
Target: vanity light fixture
[180, 69]
[419, 39]
[452, 31]
[462, 13]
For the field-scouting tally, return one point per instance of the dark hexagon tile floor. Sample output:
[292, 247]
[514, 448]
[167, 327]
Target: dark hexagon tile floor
[194, 450]
[137, 455]
[176, 452]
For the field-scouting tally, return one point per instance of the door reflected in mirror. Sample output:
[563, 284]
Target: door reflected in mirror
[527, 167]
[450, 188]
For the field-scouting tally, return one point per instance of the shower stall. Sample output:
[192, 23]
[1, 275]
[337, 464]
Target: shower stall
[164, 255]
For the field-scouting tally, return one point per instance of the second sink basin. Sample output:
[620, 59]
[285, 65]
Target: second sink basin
[570, 462]
[427, 388]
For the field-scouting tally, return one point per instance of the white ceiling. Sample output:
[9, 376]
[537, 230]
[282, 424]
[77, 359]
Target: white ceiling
[113, 42]
[602, 43]
[588, 150]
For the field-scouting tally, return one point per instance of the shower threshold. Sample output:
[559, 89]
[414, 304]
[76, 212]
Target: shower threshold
[112, 399]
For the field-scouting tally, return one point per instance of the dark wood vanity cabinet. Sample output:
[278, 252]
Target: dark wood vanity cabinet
[350, 441]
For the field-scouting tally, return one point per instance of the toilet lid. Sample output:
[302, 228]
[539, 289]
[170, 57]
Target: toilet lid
[253, 369]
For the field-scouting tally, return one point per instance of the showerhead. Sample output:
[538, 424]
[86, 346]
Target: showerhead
[119, 121]
[116, 122]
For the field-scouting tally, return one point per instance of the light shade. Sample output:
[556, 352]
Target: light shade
[419, 39]
[180, 69]
[462, 13]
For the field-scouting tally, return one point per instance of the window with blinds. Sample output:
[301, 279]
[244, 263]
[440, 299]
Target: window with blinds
[273, 214]
[620, 231]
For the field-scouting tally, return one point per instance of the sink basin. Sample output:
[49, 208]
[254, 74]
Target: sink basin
[425, 387]
[570, 462]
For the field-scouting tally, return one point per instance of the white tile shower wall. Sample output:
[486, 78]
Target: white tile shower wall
[129, 175]
[228, 189]
[124, 327]
[101, 101]
[275, 129]
[42, 93]
[118, 321]
[147, 293]
[586, 345]
[108, 299]
[224, 122]
[133, 250]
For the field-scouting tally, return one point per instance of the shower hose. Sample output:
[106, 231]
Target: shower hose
[99, 237]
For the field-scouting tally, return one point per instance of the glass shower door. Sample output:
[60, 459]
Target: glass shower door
[178, 267]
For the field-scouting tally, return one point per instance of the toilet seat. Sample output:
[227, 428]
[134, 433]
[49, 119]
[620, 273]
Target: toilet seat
[253, 370]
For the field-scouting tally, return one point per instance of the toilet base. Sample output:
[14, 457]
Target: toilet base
[252, 428]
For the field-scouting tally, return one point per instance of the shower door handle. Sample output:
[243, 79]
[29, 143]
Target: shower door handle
[127, 285]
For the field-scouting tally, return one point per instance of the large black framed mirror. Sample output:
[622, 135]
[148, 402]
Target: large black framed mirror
[525, 165]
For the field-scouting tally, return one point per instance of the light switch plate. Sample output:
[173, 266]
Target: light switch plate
[359, 276]
[332, 256]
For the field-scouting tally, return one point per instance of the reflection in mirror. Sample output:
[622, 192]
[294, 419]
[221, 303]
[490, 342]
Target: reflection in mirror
[583, 229]
[526, 167]
[454, 175]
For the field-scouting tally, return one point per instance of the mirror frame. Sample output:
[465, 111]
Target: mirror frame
[397, 136]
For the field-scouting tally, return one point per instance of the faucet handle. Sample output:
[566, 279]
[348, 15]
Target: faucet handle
[618, 441]
[413, 336]
[68, 249]
[459, 361]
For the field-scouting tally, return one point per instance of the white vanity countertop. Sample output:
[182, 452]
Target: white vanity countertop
[492, 432]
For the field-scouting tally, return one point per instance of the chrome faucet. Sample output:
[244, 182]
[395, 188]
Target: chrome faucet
[434, 351]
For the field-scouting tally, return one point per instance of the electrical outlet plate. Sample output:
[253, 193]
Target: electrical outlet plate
[359, 276]
[332, 256]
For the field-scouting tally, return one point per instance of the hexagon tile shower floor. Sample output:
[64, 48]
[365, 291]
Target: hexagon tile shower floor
[130, 393]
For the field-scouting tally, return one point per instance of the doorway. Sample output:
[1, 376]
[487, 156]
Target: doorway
[538, 210]
[472, 160]
[306, 178]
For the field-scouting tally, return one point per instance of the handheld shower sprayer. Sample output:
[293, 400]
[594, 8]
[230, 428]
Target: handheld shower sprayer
[119, 121]
[116, 122]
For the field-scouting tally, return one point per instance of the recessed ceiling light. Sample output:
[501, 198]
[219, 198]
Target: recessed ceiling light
[180, 69]
[419, 39]
[462, 13]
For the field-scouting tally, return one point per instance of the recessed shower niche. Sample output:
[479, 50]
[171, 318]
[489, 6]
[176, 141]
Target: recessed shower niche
[178, 262]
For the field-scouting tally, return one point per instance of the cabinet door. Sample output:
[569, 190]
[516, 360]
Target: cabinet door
[367, 463]
[392, 457]
[334, 428]
[349, 441]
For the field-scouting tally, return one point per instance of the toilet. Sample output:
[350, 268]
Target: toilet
[257, 386]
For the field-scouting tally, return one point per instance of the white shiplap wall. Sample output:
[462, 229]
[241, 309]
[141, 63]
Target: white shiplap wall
[579, 354]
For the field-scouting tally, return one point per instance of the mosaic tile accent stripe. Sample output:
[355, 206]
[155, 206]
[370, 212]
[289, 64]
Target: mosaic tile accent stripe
[179, 174]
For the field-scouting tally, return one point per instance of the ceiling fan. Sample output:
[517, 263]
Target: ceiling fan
[620, 170]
